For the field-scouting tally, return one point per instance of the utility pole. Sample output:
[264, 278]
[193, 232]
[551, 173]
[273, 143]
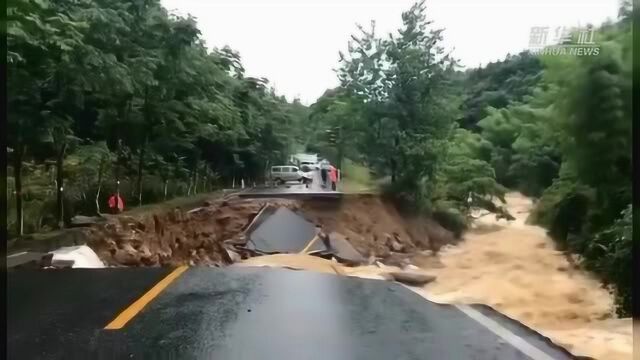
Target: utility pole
[340, 147]
[335, 138]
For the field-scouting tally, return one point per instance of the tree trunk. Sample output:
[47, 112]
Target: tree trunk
[394, 163]
[166, 184]
[140, 168]
[60, 185]
[17, 173]
[233, 182]
[98, 200]
[100, 175]
[195, 179]
[205, 181]
[117, 167]
[340, 148]
[393, 170]
[190, 183]
[147, 121]
[266, 170]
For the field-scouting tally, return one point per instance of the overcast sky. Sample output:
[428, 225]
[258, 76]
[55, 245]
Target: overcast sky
[295, 43]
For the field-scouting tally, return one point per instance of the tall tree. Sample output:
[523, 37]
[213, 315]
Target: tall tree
[405, 82]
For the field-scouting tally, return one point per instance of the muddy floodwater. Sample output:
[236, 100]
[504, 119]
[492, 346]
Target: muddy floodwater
[513, 267]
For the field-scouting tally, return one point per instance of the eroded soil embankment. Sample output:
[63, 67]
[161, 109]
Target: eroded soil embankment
[197, 237]
[175, 237]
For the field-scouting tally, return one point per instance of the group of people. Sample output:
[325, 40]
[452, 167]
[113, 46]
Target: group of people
[328, 171]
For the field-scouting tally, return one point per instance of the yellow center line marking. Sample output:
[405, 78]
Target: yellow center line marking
[121, 320]
[311, 242]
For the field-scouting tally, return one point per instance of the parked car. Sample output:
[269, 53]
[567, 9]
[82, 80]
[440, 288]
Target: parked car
[283, 173]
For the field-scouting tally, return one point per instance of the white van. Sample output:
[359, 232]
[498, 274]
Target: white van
[284, 173]
[310, 160]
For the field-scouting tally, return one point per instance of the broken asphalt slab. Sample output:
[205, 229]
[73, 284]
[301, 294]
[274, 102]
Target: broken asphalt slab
[282, 231]
[342, 249]
[247, 313]
[28, 259]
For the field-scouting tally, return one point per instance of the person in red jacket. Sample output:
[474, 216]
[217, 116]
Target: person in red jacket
[116, 204]
[333, 176]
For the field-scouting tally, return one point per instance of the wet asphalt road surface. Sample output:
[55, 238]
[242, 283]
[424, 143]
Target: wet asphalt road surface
[243, 313]
[294, 188]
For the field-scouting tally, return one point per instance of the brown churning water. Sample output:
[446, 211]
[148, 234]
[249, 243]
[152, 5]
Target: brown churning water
[514, 268]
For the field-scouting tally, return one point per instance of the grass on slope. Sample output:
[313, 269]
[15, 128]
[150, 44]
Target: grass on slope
[356, 178]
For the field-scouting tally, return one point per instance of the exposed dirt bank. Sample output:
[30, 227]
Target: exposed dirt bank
[173, 237]
[371, 223]
[176, 237]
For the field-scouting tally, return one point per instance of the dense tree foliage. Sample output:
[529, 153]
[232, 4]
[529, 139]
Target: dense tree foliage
[396, 108]
[121, 96]
[497, 85]
[593, 120]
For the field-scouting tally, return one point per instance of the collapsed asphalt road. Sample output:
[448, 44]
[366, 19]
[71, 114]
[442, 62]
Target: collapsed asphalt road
[247, 313]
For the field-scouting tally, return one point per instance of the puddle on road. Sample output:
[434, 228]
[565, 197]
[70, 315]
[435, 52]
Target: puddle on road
[515, 269]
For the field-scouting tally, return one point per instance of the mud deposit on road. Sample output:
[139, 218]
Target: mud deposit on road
[514, 268]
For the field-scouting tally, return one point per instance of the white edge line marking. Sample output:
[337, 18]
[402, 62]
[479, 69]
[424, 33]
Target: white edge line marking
[16, 254]
[513, 339]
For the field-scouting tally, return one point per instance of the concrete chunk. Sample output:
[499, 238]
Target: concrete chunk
[413, 278]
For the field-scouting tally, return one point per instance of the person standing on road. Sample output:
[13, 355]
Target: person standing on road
[324, 169]
[333, 176]
[116, 204]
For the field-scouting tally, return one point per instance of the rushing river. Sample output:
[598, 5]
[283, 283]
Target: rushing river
[514, 268]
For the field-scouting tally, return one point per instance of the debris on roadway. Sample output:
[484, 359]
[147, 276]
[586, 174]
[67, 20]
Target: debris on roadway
[28, 260]
[82, 221]
[313, 263]
[76, 257]
[353, 236]
[282, 231]
[176, 237]
[412, 277]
